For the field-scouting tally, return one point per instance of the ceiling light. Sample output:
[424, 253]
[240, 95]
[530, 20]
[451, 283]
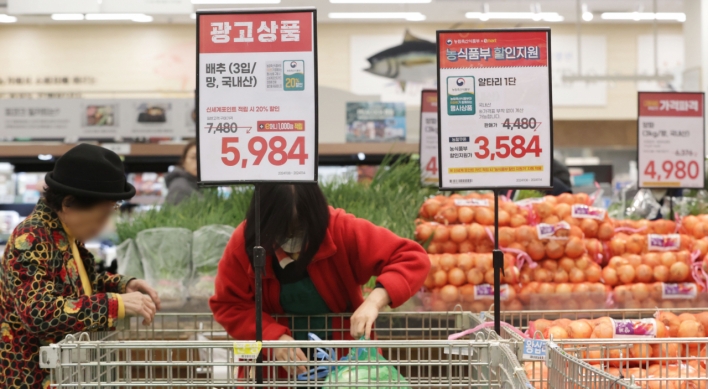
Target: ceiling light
[638, 16]
[545, 16]
[7, 19]
[67, 16]
[134, 17]
[235, 1]
[410, 16]
[587, 15]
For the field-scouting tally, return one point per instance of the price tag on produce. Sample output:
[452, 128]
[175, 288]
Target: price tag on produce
[486, 292]
[680, 291]
[668, 242]
[257, 96]
[495, 109]
[247, 350]
[641, 328]
[671, 140]
[534, 349]
[429, 138]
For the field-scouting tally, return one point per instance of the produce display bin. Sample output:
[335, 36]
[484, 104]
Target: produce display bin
[412, 350]
[568, 371]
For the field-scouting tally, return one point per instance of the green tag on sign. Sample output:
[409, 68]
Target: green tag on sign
[294, 75]
[460, 95]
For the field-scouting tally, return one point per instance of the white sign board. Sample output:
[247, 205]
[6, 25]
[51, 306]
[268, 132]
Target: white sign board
[257, 96]
[495, 109]
[429, 138]
[671, 140]
[46, 118]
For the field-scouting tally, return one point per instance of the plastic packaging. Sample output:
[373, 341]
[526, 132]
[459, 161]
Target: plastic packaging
[208, 244]
[129, 262]
[347, 377]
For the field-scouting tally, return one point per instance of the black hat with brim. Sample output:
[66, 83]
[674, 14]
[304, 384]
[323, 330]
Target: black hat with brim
[90, 171]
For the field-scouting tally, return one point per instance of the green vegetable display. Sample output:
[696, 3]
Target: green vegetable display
[167, 260]
[208, 244]
[382, 374]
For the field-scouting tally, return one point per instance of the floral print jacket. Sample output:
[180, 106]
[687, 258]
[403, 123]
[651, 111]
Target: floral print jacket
[42, 299]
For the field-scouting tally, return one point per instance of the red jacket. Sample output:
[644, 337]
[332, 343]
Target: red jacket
[352, 252]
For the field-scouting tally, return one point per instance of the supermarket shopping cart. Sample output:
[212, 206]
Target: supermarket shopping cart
[192, 350]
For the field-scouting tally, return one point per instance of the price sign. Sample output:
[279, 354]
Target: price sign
[534, 349]
[429, 138]
[495, 109]
[671, 140]
[257, 96]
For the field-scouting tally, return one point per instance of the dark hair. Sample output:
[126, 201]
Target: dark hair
[56, 199]
[192, 143]
[286, 208]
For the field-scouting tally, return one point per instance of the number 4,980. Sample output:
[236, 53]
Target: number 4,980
[258, 146]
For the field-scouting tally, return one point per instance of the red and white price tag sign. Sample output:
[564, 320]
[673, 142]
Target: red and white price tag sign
[495, 109]
[671, 140]
[257, 96]
[429, 138]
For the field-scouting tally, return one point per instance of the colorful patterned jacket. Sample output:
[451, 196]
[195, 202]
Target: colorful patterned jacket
[42, 299]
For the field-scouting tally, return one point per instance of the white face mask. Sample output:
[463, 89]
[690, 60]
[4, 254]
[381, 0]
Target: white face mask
[292, 245]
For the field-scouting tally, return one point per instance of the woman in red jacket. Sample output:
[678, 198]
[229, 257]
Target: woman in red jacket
[317, 259]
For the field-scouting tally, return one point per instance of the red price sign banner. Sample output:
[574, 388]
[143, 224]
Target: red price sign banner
[429, 138]
[671, 140]
[496, 123]
[257, 96]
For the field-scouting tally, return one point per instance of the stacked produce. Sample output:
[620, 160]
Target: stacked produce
[654, 363]
[560, 253]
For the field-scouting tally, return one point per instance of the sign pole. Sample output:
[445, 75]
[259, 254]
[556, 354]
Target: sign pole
[498, 264]
[259, 265]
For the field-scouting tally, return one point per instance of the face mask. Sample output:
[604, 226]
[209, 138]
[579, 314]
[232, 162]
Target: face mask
[292, 245]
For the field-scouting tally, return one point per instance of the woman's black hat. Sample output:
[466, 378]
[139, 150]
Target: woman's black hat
[90, 171]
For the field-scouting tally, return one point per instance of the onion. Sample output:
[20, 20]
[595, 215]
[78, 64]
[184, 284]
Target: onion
[574, 248]
[686, 242]
[687, 316]
[617, 246]
[475, 233]
[626, 274]
[484, 216]
[639, 291]
[536, 250]
[506, 236]
[434, 248]
[484, 246]
[609, 276]
[583, 263]
[683, 256]
[671, 322]
[527, 291]
[475, 276]
[602, 331]
[449, 247]
[566, 264]
[447, 215]
[466, 247]
[562, 210]
[465, 262]
[440, 278]
[423, 232]
[635, 244]
[489, 277]
[678, 272]
[542, 275]
[564, 290]
[566, 198]
[549, 265]
[511, 275]
[553, 219]
[593, 247]
[651, 259]
[576, 275]
[656, 291]
[467, 292]
[593, 273]
[590, 227]
[504, 218]
[668, 259]
[701, 245]
[644, 273]
[483, 262]
[526, 275]
[661, 273]
[432, 207]
[702, 318]
[518, 220]
[543, 210]
[546, 288]
[575, 231]
[622, 294]
[691, 329]
[449, 293]
[458, 233]
[524, 234]
[554, 250]
[605, 231]
[579, 330]
[441, 234]
[465, 215]
[456, 276]
[447, 262]
[560, 276]
[542, 325]
[429, 282]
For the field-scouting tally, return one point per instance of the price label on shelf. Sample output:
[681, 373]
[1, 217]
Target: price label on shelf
[429, 138]
[641, 328]
[257, 96]
[671, 140]
[495, 109]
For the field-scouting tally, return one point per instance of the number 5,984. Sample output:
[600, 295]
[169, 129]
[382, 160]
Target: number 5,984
[258, 146]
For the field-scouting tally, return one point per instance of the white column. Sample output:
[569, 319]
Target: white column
[695, 34]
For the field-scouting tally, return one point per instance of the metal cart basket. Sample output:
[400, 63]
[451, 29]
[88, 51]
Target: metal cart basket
[193, 351]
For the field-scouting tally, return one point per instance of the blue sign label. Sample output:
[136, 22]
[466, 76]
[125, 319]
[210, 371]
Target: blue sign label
[534, 349]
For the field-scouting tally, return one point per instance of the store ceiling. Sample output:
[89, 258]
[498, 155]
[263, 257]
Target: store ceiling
[436, 11]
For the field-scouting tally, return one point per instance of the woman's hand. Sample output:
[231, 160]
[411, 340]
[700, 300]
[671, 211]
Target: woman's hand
[291, 355]
[136, 285]
[138, 304]
[364, 317]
